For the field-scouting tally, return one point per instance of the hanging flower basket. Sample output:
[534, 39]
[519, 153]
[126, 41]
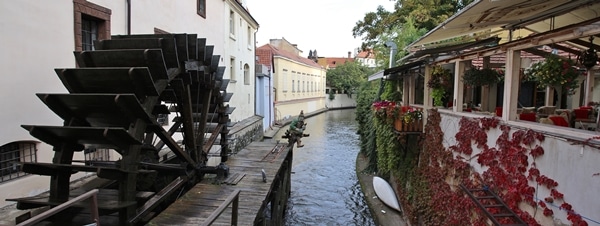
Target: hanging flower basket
[440, 83]
[481, 77]
[555, 72]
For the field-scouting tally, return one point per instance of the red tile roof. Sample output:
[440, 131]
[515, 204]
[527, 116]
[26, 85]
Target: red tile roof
[268, 51]
[366, 54]
[334, 61]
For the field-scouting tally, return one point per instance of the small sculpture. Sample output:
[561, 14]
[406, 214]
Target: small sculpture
[296, 131]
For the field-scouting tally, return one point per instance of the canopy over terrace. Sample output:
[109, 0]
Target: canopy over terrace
[499, 27]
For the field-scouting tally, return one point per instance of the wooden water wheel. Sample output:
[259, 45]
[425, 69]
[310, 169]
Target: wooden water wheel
[116, 95]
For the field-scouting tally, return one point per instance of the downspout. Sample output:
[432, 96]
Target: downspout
[128, 17]
[255, 77]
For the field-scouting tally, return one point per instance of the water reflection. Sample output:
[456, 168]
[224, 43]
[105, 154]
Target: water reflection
[325, 189]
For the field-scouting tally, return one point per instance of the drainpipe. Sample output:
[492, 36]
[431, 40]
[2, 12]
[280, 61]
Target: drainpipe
[393, 49]
[128, 17]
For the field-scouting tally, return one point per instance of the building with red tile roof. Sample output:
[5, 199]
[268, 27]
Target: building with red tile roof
[299, 82]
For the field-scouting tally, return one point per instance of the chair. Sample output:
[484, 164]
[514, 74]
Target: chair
[546, 110]
[583, 119]
[499, 111]
[559, 120]
[582, 115]
[530, 116]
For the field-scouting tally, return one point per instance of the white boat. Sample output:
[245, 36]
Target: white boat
[385, 193]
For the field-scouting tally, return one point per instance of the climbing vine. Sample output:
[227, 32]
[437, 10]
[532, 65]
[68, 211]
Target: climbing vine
[430, 195]
[366, 130]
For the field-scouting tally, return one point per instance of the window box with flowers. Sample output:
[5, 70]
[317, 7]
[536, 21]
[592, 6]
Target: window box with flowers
[410, 119]
[404, 118]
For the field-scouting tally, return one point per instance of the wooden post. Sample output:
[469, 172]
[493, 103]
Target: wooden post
[511, 84]
[589, 84]
[459, 86]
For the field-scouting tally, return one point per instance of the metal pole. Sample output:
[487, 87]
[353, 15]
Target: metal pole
[393, 49]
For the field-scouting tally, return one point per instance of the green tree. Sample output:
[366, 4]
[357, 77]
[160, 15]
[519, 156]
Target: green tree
[348, 76]
[427, 14]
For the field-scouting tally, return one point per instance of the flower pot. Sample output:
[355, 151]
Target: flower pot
[413, 126]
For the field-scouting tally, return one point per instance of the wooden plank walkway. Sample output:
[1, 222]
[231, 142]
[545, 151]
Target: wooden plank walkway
[260, 203]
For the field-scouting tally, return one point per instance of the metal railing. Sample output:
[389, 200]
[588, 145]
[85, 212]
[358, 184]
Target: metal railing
[234, 198]
[93, 206]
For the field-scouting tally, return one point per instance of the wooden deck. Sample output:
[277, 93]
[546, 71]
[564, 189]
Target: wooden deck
[260, 203]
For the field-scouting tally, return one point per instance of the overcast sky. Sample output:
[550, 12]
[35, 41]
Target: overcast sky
[324, 25]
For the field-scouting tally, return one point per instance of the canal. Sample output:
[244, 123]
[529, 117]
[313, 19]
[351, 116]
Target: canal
[325, 188]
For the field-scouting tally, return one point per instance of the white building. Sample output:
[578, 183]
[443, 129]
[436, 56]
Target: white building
[39, 36]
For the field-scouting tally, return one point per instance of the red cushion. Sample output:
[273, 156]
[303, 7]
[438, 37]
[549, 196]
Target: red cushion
[581, 113]
[527, 117]
[499, 111]
[586, 107]
[559, 121]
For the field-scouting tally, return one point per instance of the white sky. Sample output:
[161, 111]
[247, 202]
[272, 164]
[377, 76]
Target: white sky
[324, 25]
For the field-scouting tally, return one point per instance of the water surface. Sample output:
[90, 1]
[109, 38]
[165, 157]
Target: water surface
[325, 188]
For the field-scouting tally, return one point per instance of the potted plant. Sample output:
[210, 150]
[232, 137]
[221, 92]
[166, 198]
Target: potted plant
[555, 72]
[481, 77]
[384, 109]
[409, 119]
[440, 82]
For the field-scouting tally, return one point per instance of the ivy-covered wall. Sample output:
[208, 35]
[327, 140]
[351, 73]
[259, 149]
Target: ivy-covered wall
[544, 178]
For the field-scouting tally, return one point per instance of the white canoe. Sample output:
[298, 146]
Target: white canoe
[385, 193]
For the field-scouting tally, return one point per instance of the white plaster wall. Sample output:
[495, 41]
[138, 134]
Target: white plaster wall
[36, 38]
[181, 17]
[340, 101]
[574, 167]
[242, 48]
[28, 58]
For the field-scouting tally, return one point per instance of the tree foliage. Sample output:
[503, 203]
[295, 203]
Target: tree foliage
[348, 76]
[427, 14]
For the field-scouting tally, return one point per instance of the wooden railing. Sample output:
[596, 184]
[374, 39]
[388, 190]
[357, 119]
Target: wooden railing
[93, 206]
[234, 198]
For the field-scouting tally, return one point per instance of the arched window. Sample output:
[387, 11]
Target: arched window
[246, 74]
[12, 154]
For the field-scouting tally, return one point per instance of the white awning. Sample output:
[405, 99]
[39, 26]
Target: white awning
[489, 17]
[376, 76]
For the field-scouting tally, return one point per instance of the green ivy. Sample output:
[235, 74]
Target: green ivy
[438, 94]
[364, 117]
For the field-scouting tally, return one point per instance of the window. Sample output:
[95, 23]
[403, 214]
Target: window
[298, 86]
[89, 33]
[92, 22]
[232, 69]
[284, 80]
[249, 37]
[293, 89]
[246, 74]
[231, 23]
[201, 8]
[94, 154]
[11, 155]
